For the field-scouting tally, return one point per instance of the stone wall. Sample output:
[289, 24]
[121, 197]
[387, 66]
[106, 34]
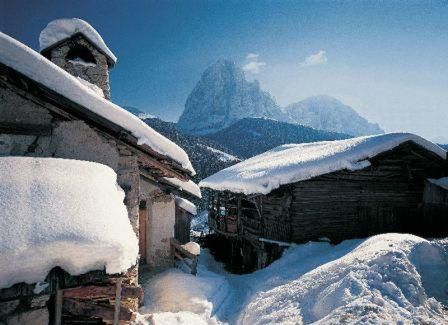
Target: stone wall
[70, 140]
[160, 228]
[97, 74]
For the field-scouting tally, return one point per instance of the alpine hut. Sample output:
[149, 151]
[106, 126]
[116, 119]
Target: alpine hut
[57, 104]
[332, 190]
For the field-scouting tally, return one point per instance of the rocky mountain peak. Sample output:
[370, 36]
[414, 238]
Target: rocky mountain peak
[223, 96]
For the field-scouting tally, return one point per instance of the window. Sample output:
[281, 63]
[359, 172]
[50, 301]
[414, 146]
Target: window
[80, 54]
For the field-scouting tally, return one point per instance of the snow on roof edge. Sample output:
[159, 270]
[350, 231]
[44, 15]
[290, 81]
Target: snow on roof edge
[61, 29]
[23, 59]
[292, 163]
[186, 205]
[189, 186]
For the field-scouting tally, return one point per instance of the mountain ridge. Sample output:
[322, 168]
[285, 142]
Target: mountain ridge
[223, 96]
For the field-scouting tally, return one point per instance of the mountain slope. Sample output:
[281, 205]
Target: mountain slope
[252, 136]
[223, 96]
[329, 114]
[206, 156]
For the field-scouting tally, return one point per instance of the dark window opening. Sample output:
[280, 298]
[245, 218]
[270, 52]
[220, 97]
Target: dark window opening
[80, 54]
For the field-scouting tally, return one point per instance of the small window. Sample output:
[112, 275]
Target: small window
[80, 54]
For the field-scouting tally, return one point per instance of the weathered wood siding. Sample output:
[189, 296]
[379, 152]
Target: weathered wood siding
[385, 197]
[435, 203]
[182, 225]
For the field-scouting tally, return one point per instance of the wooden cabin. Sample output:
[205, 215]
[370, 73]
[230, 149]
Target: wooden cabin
[56, 104]
[328, 191]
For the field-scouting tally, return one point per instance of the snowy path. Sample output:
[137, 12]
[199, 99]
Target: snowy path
[387, 278]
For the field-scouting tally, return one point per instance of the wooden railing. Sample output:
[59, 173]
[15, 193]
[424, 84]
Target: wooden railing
[188, 258]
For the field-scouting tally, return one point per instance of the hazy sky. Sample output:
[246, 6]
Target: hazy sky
[387, 59]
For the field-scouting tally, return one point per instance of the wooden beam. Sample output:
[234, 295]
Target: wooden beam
[25, 129]
[117, 301]
[58, 307]
[91, 292]
[91, 309]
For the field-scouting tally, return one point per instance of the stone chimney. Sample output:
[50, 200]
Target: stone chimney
[76, 47]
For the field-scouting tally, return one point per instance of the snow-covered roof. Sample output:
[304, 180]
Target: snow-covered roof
[186, 205]
[291, 163]
[188, 186]
[36, 67]
[61, 29]
[442, 182]
[59, 212]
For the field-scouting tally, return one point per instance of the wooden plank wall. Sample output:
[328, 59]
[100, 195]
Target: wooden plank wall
[386, 197]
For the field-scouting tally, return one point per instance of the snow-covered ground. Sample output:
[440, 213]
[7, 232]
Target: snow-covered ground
[385, 279]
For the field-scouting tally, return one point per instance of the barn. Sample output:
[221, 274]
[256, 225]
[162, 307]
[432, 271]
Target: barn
[332, 190]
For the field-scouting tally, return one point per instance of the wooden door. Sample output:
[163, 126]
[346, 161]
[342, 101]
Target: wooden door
[142, 220]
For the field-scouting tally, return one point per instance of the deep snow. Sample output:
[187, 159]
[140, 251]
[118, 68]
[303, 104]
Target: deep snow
[60, 212]
[390, 278]
[291, 163]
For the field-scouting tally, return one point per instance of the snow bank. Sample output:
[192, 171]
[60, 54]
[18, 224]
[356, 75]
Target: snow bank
[186, 205]
[60, 29]
[58, 212]
[442, 182]
[296, 162]
[33, 65]
[189, 186]
[177, 297]
[385, 279]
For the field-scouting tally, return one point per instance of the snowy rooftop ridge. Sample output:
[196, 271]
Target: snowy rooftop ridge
[36, 67]
[61, 212]
[291, 163]
[61, 29]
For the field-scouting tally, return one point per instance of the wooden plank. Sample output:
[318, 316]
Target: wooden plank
[117, 301]
[58, 307]
[92, 292]
[91, 309]
[25, 129]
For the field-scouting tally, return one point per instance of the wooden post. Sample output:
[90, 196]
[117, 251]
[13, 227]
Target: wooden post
[58, 307]
[117, 302]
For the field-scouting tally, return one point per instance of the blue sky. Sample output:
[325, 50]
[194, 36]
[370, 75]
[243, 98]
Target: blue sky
[387, 59]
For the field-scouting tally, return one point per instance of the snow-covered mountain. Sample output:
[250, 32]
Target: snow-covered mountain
[223, 96]
[327, 113]
[251, 136]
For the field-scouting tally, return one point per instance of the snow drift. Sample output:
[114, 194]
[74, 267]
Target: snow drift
[391, 278]
[385, 279]
[58, 212]
[291, 163]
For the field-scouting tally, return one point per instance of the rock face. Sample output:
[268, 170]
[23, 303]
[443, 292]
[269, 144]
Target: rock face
[329, 114]
[223, 96]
